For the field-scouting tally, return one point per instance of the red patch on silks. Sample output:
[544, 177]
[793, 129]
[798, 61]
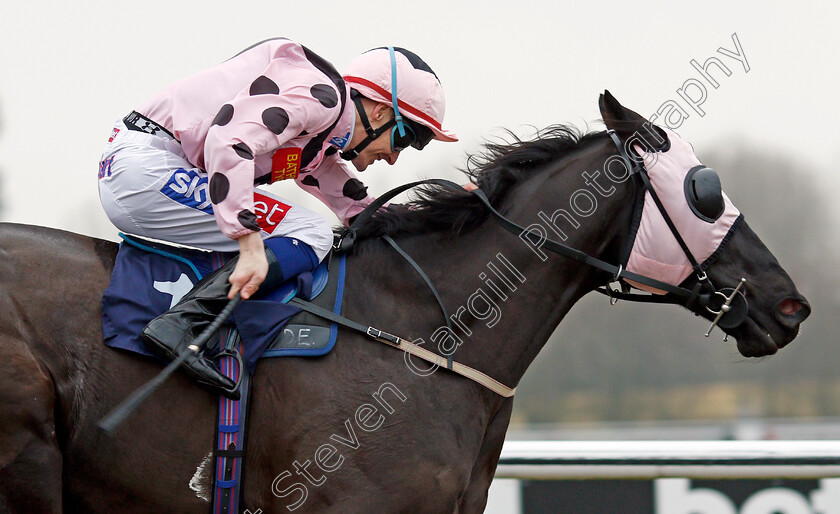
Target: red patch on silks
[113, 135]
[269, 212]
[285, 164]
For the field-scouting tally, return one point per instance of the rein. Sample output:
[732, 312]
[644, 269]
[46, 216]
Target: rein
[408, 347]
[347, 238]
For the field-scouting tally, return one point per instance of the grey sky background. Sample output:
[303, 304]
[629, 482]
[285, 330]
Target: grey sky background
[70, 69]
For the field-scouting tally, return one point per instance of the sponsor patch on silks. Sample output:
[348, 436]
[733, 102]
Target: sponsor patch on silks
[113, 134]
[340, 142]
[189, 188]
[105, 167]
[269, 211]
[285, 164]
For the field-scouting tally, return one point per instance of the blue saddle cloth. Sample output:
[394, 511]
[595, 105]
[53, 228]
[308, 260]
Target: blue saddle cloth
[149, 278]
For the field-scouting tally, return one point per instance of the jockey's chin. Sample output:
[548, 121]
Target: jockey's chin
[376, 151]
[360, 163]
[364, 159]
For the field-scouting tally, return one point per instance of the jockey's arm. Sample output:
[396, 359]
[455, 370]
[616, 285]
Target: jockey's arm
[250, 125]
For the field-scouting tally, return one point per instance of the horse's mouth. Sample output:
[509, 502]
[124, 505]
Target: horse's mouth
[755, 341]
[766, 335]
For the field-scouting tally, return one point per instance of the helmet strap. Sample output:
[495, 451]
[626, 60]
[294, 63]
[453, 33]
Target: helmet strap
[372, 133]
[397, 116]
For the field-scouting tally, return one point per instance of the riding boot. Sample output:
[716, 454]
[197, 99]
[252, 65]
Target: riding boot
[173, 331]
[168, 335]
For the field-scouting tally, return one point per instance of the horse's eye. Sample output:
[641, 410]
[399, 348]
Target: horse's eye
[703, 193]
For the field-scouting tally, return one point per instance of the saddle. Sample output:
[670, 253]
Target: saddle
[149, 277]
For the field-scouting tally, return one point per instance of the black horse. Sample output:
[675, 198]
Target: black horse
[361, 429]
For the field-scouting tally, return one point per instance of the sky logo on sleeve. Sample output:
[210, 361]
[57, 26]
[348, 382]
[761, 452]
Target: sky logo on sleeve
[190, 188]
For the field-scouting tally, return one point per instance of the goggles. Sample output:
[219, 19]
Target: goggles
[414, 135]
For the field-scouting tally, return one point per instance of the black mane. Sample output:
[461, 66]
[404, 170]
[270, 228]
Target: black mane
[499, 167]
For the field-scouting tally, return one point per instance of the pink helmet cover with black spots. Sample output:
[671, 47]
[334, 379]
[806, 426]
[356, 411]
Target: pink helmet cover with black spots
[419, 92]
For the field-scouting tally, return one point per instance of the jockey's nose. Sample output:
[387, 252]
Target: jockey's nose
[391, 157]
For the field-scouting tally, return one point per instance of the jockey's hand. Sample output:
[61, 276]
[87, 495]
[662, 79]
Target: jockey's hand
[251, 268]
[469, 186]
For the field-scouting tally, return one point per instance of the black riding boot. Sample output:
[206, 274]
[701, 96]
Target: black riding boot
[170, 333]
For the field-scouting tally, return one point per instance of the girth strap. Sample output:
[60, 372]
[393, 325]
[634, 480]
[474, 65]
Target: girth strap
[408, 347]
[229, 440]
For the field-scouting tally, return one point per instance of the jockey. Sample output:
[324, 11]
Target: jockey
[183, 167]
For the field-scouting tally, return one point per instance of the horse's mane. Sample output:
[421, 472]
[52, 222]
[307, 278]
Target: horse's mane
[495, 170]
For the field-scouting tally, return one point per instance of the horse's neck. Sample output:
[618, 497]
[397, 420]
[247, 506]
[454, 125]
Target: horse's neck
[510, 301]
[504, 300]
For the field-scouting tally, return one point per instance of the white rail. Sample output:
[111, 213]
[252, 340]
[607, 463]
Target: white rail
[544, 460]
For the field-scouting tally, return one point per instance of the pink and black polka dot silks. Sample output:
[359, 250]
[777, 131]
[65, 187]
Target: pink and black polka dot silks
[231, 119]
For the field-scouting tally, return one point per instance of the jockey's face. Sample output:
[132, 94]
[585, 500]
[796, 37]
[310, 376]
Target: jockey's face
[380, 149]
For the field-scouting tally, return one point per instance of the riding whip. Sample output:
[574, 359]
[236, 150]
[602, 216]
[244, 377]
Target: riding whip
[122, 411]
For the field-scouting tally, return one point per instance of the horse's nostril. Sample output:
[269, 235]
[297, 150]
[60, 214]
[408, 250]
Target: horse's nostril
[792, 311]
[790, 307]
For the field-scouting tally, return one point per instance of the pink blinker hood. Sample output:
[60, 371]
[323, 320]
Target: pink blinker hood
[656, 252]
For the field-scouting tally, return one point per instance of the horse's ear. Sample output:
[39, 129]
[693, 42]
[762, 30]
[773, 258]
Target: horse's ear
[625, 122]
